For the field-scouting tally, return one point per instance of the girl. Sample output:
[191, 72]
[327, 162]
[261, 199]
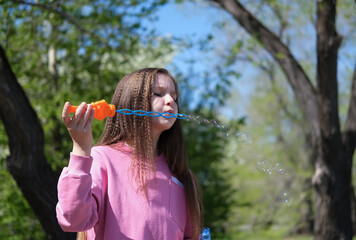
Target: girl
[135, 183]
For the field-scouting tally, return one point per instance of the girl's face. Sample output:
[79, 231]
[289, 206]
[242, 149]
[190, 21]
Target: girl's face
[163, 100]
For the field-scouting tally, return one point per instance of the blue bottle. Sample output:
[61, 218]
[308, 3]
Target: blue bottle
[205, 235]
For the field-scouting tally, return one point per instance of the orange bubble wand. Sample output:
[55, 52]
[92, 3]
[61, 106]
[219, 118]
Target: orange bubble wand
[102, 109]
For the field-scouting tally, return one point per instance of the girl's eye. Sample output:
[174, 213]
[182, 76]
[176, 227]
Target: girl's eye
[161, 95]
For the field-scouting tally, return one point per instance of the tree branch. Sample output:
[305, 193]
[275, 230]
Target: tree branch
[53, 9]
[328, 42]
[27, 163]
[300, 83]
[65, 16]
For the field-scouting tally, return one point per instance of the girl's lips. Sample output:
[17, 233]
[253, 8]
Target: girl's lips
[169, 111]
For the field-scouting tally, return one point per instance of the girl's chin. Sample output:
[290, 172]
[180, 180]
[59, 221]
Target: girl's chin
[163, 124]
[167, 125]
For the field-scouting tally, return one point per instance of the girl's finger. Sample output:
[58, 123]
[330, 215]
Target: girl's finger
[65, 113]
[85, 116]
[78, 113]
[90, 120]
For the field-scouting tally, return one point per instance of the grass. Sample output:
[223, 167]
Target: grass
[259, 237]
[249, 236]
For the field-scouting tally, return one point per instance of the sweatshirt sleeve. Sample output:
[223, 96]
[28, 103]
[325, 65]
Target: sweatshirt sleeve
[79, 197]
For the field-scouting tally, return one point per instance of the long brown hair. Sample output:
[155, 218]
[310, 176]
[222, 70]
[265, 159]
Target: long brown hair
[134, 92]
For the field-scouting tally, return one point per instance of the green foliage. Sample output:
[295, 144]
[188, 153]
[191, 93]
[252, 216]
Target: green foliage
[258, 209]
[274, 119]
[237, 197]
[17, 221]
[94, 45]
[69, 51]
[205, 144]
[205, 149]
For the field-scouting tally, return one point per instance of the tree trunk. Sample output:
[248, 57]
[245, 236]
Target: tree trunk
[333, 206]
[27, 163]
[332, 178]
[353, 209]
[332, 150]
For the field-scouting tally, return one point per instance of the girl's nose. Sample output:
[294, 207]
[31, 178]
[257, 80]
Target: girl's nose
[169, 100]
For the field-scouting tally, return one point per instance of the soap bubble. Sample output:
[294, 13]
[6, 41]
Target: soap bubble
[268, 167]
[284, 198]
[265, 166]
[243, 137]
[279, 168]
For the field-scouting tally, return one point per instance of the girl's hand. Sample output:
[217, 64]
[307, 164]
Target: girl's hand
[79, 127]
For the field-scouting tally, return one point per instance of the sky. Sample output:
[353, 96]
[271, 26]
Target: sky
[187, 21]
[194, 22]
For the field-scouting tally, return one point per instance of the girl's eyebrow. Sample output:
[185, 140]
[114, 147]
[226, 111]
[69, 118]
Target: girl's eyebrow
[158, 88]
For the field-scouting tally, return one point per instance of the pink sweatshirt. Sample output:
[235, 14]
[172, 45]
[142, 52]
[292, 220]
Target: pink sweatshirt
[98, 194]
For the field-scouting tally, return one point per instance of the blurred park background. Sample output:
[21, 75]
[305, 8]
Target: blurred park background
[282, 71]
